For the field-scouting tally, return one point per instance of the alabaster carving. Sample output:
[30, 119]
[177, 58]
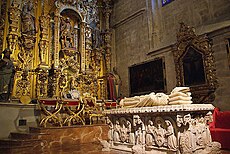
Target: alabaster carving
[105, 144]
[145, 100]
[170, 128]
[179, 95]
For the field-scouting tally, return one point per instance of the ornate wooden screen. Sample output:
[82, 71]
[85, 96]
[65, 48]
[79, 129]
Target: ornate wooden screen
[194, 63]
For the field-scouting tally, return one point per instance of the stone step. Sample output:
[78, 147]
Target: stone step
[35, 130]
[77, 138]
[25, 135]
[9, 143]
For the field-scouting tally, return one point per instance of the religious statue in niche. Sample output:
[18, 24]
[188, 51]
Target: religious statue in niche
[66, 33]
[28, 30]
[114, 82]
[6, 76]
[28, 19]
[97, 40]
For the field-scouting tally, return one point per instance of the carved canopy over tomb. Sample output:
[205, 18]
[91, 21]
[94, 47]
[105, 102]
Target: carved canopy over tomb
[57, 46]
[194, 63]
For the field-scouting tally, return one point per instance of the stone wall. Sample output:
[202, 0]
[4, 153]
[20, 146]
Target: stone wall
[144, 30]
[131, 36]
[219, 38]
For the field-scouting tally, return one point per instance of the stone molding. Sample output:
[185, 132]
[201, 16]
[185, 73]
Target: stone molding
[166, 108]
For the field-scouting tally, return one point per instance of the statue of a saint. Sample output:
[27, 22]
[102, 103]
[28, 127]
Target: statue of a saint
[97, 36]
[6, 75]
[66, 33]
[28, 19]
[114, 82]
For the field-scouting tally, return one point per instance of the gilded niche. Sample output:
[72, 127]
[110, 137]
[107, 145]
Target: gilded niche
[194, 61]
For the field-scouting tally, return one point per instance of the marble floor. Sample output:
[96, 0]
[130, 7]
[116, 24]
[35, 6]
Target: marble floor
[72, 151]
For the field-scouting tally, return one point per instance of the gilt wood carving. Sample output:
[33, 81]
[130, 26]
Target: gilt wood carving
[57, 46]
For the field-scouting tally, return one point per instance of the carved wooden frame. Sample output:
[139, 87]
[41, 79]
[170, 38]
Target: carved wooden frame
[186, 38]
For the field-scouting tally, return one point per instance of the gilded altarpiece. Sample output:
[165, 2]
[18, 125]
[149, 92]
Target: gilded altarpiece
[57, 46]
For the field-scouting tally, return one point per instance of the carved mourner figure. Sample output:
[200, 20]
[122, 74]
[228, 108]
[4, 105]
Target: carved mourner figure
[171, 138]
[117, 129]
[6, 76]
[151, 133]
[160, 134]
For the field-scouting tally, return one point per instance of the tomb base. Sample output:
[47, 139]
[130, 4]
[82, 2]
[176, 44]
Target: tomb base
[162, 129]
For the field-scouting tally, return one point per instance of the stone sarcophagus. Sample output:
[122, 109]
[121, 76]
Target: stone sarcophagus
[167, 129]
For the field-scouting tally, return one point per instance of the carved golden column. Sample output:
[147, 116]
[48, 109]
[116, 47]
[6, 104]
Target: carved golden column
[107, 37]
[12, 39]
[44, 41]
[88, 45]
[107, 48]
[82, 46]
[56, 40]
[3, 17]
[42, 83]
